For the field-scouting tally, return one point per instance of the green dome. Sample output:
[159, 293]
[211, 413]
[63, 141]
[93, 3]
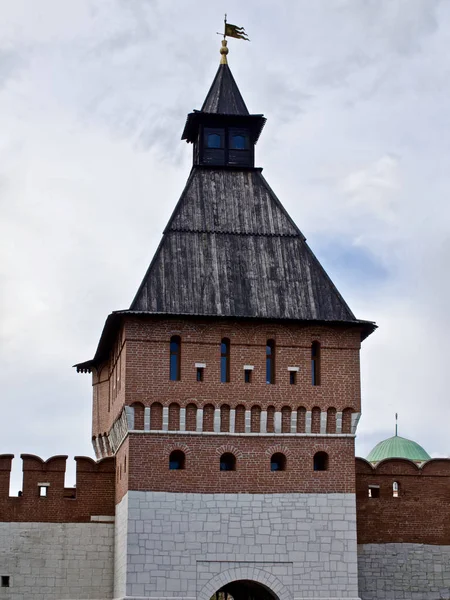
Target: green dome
[398, 447]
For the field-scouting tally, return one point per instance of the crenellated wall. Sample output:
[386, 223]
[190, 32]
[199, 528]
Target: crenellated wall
[418, 514]
[403, 529]
[92, 497]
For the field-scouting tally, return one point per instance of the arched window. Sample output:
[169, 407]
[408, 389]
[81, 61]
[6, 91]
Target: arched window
[347, 420]
[191, 417]
[156, 416]
[301, 419]
[286, 419]
[331, 420]
[239, 421]
[225, 360]
[213, 140]
[237, 142]
[315, 363]
[225, 418]
[228, 462]
[255, 419]
[208, 417]
[177, 460]
[270, 423]
[175, 358]
[315, 420]
[320, 461]
[278, 462]
[270, 361]
[138, 410]
[396, 489]
[174, 416]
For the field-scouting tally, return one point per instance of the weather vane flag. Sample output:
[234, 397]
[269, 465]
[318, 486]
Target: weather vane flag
[231, 31]
[234, 31]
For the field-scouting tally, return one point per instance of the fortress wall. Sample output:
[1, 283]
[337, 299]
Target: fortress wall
[417, 515]
[403, 571]
[57, 561]
[93, 495]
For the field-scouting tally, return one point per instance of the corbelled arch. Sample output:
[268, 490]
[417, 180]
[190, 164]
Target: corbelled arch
[272, 583]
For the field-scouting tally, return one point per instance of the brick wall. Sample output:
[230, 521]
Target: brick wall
[148, 464]
[420, 513]
[138, 376]
[92, 496]
[144, 366]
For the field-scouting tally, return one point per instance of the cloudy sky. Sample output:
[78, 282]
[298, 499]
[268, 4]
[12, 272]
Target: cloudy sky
[93, 99]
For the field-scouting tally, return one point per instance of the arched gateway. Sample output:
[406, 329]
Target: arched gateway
[244, 583]
[244, 589]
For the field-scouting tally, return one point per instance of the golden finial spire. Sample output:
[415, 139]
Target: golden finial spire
[224, 52]
[230, 31]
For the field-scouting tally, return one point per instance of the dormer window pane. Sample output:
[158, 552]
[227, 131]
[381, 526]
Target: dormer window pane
[238, 142]
[213, 140]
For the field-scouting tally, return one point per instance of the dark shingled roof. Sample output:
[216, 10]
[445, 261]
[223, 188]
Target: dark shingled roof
[231, 250]
[224, 96]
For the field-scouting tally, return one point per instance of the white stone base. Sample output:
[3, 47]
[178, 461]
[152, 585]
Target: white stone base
[187, 546]
[57, 561]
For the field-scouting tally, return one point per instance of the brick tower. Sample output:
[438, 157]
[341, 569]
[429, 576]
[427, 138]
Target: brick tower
[229, 392]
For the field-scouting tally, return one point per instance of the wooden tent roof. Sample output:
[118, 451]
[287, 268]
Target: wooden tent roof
[224, 96]
[231, 250]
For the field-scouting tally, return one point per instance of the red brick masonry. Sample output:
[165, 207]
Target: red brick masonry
[92, 496]
[420, 514]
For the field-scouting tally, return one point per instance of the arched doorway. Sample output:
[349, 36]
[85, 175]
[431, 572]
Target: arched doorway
[244, 589]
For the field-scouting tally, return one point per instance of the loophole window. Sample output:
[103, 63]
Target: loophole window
[278, 462]
[177, 460]
[374, 491]
[320, 461]
[228, 462]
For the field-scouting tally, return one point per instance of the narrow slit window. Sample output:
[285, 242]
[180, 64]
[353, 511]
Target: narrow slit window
[200, 371]
[225, 360]
[175, 358]
[292, 377]
[315, 363]
[395, 489]
[247, 375]
[270, 361]
[5, 580]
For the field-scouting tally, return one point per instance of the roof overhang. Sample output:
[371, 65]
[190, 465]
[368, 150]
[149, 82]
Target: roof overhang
[114, 322]
[194, 119]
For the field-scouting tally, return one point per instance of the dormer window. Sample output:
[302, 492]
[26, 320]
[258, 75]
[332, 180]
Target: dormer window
[226, 146]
